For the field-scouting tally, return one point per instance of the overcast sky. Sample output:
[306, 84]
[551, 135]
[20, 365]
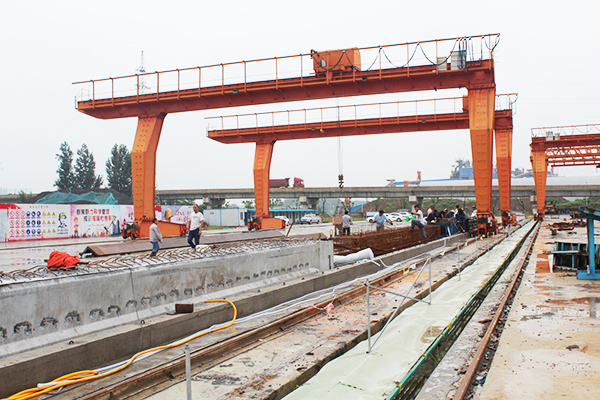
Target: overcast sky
[549, 53]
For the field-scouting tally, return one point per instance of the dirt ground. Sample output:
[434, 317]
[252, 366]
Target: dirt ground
[550, 347]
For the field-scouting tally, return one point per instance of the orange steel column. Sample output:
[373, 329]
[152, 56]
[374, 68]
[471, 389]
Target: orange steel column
[143, 169]
[503, 165]
[481, 123]
[262, 166]
[143, 165]
[539, 162]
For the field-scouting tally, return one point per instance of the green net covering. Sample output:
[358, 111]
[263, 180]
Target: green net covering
[74, 198]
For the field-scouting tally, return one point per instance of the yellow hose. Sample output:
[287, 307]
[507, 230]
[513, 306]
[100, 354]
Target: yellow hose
[88, 375]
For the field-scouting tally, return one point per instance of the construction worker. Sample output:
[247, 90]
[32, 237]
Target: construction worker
[346, 222]
[419, 222]
[380, 220]
[460, 218]
[195, 227]
[155, 237]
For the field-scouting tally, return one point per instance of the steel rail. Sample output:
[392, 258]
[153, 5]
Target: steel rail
[173, 371]
[465, 383]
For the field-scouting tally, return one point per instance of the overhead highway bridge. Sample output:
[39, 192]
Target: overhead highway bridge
[576, 190]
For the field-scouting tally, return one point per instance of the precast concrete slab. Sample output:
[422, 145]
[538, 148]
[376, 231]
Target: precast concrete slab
[125, 295]
[41, 310]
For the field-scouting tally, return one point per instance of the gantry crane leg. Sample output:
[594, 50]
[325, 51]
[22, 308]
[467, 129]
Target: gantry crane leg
[481, 124]
[143, 169]
[539, 161]
[503, 165]
[262, 166]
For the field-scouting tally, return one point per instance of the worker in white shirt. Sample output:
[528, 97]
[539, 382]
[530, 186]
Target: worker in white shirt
[195, 227]
[419, 222]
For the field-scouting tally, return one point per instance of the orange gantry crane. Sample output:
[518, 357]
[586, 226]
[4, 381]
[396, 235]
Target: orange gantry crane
[437, 114]
[465, 62]
[561, 146]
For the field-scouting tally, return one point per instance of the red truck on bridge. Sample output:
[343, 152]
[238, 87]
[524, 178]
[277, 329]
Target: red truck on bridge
[284, 183]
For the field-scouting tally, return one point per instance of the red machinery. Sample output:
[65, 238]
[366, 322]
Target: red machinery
[325, 63]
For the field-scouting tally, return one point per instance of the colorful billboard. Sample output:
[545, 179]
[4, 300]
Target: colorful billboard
[37, 221]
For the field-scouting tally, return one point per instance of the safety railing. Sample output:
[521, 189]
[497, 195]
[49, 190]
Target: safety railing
[453, 53]
[553, 133]
[317, 117]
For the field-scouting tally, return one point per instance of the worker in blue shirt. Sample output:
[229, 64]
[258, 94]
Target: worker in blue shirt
[380, 221]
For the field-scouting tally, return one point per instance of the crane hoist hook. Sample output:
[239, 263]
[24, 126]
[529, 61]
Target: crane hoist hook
[341, 179]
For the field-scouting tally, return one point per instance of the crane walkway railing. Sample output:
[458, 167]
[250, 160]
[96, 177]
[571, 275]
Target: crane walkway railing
[317, 117]
[554, 133]
[411, 56]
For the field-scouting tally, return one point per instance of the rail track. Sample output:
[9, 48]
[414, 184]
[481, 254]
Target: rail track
[486, 351]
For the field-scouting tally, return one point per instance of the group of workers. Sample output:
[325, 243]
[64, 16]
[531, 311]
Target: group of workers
[432, 216]
[460, 215]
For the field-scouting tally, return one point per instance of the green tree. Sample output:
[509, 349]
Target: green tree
[85, 170]
[118, 170]
[248, 204]
[24, 197]
[65, 167]
[273, 203]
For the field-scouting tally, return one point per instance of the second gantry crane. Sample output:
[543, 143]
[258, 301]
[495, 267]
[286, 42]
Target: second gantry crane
[561, 146]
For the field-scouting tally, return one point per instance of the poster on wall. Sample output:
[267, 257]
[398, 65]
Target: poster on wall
[4, 224]
[93, 220]
[175, 214]
[37, 221]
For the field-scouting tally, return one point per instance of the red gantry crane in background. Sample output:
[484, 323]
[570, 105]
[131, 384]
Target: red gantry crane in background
[392, 117]
[561, 146]
[465, 62]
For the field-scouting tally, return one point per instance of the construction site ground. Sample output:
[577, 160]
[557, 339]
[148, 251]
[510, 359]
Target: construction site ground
[550, 346]
[548, 349]
[271, 366]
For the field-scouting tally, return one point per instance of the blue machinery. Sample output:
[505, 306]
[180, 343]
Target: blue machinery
[591, 273]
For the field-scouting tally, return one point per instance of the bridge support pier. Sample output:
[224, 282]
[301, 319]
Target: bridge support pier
[416, 201]
[213, 203]
[309, 202]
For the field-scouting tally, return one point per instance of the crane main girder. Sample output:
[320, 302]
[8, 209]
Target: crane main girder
[356, 83]
[370, 126]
